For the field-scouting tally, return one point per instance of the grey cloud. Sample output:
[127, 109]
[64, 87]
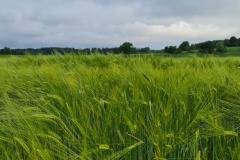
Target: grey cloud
[81, 23]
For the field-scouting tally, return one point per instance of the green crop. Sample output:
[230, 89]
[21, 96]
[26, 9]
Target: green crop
[117, 107]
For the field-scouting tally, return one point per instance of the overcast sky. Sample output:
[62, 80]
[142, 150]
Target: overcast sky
[109, 23]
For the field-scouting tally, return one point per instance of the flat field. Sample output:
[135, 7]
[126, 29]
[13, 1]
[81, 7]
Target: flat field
[117, 107]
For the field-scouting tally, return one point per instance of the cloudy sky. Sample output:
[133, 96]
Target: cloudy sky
[109, 23]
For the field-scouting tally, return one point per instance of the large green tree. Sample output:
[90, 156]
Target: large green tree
[184, 46]
[220, 47]
[233, 41]
[127, 48]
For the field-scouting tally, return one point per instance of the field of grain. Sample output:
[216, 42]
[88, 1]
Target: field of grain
[117, 107]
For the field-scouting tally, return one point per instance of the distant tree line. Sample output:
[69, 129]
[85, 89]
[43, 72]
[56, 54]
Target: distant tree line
[44, 51]
[215, 46]
[53, 50]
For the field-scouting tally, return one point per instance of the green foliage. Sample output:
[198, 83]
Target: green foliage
[233, 42]
[206, 47]
[220, 48]
[5, 51]
[172, 50]
[127, 48]
[184, 46]
[109, 107]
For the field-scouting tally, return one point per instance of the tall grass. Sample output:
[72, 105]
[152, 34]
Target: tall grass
[116, 107]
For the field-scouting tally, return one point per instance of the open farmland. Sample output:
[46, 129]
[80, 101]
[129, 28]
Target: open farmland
[117, 107]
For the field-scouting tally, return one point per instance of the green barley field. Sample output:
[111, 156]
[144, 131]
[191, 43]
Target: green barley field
[116, 107]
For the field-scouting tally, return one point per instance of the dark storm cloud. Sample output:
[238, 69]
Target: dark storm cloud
[102, 23]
